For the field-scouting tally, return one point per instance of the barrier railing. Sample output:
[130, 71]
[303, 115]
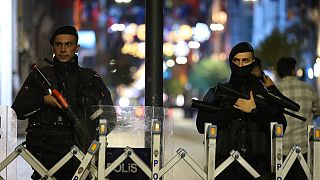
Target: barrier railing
[310, 167]
[8, 140]
[93, 163]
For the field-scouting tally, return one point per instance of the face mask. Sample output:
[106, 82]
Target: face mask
[243, 71]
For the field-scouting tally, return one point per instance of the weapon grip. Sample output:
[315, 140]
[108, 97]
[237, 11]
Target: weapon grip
[60, 98]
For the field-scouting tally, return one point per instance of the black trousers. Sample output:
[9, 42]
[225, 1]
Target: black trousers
[49, 159]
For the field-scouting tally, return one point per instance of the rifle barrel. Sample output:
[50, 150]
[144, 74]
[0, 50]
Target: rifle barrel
[35, 67]
[203, 105]
[232, 92]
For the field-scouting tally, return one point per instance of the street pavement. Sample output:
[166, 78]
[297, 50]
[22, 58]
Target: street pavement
[185, 136]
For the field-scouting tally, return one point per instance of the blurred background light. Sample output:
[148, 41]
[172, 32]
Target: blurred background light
[180, 100]
[216, 27]
[316, 69]
[118, 27]
[141, 32]
[181, 60]
[201, 32]
[194, 44]
[124, 101]
[122, 1]
[168, 49]
[181, 49]
[170, 63]
[310, 73]
[87, 39]
[185, 32]
[299, 72]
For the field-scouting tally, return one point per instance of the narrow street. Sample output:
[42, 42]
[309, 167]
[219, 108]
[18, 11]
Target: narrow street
[187, 137]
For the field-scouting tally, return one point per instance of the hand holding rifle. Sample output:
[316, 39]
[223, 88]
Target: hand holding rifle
[245, 105]
[51, 101]
[55, 98]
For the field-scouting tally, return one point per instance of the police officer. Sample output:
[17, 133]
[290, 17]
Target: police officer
[243, 125]
[51, 132]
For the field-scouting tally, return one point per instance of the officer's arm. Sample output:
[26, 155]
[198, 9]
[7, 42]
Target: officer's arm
[219, 118]
[29, 99]
[106, 99]
[264, 116]
[106, 95]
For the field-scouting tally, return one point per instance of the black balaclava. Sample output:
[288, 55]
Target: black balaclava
[244, 71]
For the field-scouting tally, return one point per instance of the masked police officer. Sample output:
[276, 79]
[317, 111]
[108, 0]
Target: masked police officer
[243, 125]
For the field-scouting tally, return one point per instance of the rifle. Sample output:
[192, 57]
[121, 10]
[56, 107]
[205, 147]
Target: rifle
[282, 102]
[203, 105]
[66, 108]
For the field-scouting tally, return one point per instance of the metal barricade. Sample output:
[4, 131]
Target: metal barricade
[8, 140]
[313, 151]
[139, 130]
[135, 125]
[311, 167]
[95, 164]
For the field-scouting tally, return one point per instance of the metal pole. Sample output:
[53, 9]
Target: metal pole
[153, 60]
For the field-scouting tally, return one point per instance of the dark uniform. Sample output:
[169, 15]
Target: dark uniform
[50, 132]
[247, 133]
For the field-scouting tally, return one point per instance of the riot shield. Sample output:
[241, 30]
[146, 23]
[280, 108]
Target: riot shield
[129, 127]
[8, 140]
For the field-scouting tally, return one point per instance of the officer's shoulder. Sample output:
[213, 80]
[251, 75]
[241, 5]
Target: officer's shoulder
[47, 70]
[87, 73]
[226, 84]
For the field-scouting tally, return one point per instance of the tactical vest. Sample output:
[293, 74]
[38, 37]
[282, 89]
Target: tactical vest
[78, 88]
[242, 134]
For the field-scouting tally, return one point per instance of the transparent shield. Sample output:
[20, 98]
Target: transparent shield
[8, 140]
[129, 126]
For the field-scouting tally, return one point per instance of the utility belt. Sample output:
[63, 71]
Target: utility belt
[45, 125]
[49, 124]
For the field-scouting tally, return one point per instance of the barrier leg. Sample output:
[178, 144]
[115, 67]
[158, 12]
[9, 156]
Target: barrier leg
[156, 131]
[211, 137]
[277, 134]
[102, 149]
[94, 147]
[205, 149]
[316, 151]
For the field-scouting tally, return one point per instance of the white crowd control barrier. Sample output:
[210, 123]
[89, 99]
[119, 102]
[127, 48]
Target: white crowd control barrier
[8, 140]
[123, 153]
[310, 166]
[139, 144]
[314, 144]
